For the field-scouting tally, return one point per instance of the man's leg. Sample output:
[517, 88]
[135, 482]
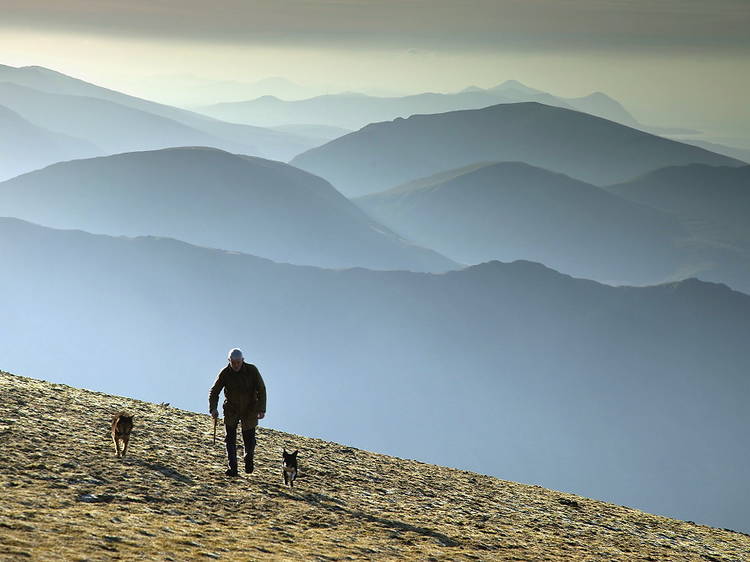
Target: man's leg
[248, 438]
[231, 441]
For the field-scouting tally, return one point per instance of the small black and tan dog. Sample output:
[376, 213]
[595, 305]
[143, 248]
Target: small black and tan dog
[122, 425]
[289, 468]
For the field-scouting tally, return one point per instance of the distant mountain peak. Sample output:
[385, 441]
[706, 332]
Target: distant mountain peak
[515, 85]
[516, 266]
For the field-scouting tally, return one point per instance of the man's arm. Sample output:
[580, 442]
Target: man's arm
[261, 390]
[213, 394]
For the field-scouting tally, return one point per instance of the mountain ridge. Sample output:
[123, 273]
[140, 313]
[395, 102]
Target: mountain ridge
[382, 155]
[354, 110]
[217, 199]
[513, 210]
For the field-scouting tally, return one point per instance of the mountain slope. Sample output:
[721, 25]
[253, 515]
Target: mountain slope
[25, 147]
[70, 105]
[589, 148]
[113, 127]
[737, 153]
[213, 198]
[511, 210]
[719, 194]
[70, 497]
[626, 394]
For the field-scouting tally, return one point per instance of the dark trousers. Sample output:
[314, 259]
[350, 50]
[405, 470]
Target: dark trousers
[248, 438]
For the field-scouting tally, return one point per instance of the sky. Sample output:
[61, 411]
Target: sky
[670, 62]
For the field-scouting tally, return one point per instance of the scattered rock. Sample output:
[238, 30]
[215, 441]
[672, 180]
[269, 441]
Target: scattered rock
[569, 502]
[93, 498]
[112, 538]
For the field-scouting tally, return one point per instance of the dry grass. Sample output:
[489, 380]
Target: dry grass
[64, 495]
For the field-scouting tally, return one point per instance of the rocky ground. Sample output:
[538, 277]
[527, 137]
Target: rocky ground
[64, 495]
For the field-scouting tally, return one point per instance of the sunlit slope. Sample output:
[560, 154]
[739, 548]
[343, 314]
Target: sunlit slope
[64, 495]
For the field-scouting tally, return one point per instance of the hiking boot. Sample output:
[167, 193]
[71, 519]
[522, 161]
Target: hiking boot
[249, 467]
[232, 472]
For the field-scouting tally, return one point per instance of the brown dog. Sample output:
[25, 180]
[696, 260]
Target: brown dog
[122, 425]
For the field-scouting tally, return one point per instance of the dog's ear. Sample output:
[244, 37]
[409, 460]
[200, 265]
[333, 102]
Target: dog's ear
[294, 454]
[283, 450]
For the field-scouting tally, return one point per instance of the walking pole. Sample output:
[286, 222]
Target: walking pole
[215, 431]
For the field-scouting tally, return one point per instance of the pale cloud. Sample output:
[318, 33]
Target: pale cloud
[432, 24]
[672, 62]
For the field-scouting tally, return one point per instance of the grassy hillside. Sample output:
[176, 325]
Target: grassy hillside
[64, 495]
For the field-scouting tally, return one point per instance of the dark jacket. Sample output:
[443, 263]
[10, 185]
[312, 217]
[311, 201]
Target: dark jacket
[244, 392]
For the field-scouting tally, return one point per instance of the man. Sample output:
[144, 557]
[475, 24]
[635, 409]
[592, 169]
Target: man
[244, 401]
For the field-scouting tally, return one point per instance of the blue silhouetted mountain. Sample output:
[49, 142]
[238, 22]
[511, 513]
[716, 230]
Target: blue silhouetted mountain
[118, 122]
[213, 198]
[25, 147]
[719, 195]
[592, 149]
[511, 210]
[635, 395]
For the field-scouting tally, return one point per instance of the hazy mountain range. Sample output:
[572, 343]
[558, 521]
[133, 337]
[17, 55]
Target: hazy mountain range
[355, 110]
[592, 149]
[213, 198]
[187, 91]
[511, 210]
[117, 122]
[633, 395]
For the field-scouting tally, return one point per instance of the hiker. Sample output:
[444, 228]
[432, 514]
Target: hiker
[244, 401]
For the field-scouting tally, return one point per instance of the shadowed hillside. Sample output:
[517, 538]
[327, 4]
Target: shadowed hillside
[592, 149]
[64, 495]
